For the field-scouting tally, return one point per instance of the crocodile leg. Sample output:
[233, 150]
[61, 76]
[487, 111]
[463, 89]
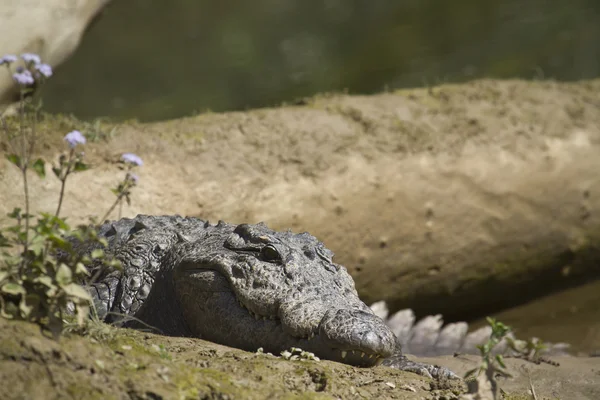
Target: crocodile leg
[104, 295]
[401, 362]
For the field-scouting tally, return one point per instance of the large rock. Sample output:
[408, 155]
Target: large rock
[50, 28]
[458, 199]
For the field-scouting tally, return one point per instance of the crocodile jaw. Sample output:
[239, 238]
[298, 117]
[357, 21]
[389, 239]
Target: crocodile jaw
[213, 312]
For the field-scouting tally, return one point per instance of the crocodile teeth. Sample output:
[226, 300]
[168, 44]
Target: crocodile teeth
[370, 355]
[362, 354]
[344, 354]
[379, 361]
[256, 316]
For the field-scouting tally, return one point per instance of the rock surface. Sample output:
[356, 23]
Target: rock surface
[456, 200]
[49, 28]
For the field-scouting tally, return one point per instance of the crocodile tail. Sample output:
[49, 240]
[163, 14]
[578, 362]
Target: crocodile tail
[429, 337]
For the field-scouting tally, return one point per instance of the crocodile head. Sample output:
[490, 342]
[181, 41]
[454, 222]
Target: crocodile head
[248, 286]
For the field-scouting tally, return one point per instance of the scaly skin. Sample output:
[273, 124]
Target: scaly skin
[244, 286]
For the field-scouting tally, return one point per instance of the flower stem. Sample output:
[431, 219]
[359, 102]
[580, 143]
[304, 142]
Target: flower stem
[23, 168]
[117, 201]
[63, 180]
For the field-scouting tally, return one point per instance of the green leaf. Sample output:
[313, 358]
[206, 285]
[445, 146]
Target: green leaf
[14, 229]
[38, 266]
[61, 223]
[4, 241]
[92, 234]
[37, 247]
[83, 310]
[80, 166]
[56, 171]
[500, 360]
[3, 275]
[27, 90]
[77, 291]
[38, 167]
[15, 159]
[9, 311]
[20, 233]
[97, 253]
[470, 373]
[45, 280]
[13, 289]
[59, 242]
[80, 269]
[25, 308]
[15, 213]
[64, 275]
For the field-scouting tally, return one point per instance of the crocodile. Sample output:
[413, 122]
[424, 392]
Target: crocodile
[244, 286]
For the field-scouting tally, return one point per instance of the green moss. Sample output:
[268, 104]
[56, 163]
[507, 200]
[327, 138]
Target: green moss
[191, 382]
[77, 391]
[308, 396]
[518, 397]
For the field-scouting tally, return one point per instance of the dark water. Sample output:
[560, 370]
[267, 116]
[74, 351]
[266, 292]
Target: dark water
[571, 316]
[159, 59]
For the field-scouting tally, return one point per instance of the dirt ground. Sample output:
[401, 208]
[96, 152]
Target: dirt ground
[114, 363]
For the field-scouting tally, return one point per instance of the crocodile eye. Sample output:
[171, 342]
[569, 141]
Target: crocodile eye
[270, 254]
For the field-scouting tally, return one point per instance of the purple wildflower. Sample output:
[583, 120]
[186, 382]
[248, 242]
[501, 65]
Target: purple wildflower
[44, 69]
[134, 178]
[74, 138]
[7, 59]
[132, 159]
[23, 78]
[31, 58]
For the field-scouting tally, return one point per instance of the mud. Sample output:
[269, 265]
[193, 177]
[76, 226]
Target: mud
[127, 364]
[111, 363]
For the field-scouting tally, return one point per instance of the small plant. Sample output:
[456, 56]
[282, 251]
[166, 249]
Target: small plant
[40, 267]
[162, 351]
[488, 360]
[95, 132]
[530, 350]
[492, 365]
[123, 189]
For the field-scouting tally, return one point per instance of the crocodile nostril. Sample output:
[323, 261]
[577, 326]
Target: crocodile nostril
[310, 254]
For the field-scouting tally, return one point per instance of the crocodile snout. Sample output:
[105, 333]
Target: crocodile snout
[361, 337]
